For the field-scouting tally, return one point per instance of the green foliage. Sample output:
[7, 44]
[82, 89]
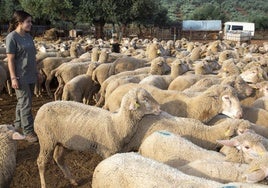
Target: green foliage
[7, 8]
[207, 12]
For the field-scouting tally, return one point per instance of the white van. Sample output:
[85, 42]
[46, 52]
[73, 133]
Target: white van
[239, 26]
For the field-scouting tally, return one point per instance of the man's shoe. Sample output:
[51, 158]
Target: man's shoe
[31, 137]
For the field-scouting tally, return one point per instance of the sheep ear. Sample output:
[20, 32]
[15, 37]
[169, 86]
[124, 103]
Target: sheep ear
[255, 176]
[230, 143]
[17, 136]
[225, 98]
[134, 106]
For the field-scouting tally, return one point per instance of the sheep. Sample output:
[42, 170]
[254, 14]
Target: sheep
[227, 54]
[195, 54]
[254, 75]
[192, 129]
[76, 49]
[81, 87]
[261, 103]
[242, 88]
[158, 66]
[123, 80]
[95, 54]
[174, 150]
[162, 82]
[103, 71]
[47, 66]
[225, 172]
[185, 81]
[66, 72]
[202, 67]
[152, 51]
[132, 170]
[72, 125]
[104, 55]
[217, 99]
[8, 151]
[255, 115]
[260, 90]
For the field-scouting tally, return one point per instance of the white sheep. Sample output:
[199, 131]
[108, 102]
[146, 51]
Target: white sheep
[225, 172]
[192, 129]
[174, 150]
[81, 87]
[47, 66]
[8, 151]
[132, 170]
[66, 72]
[158, 67]
[261, 103]
[68, 124]
[105, 70]
[178, 67]
[217, 99]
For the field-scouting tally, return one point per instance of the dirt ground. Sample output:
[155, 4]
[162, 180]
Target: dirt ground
[82, 164]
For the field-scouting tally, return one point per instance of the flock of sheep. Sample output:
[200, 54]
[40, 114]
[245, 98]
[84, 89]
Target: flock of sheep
[195, 113]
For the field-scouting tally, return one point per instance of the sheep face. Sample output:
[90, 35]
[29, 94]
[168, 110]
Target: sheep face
[10, 133]
[250, 144]
[231, 106]
[143, 101]
[253, 75]
[258, 170]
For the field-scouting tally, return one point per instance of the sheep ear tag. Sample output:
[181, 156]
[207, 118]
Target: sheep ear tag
[134, 106]
[17, 136]
[227, 133]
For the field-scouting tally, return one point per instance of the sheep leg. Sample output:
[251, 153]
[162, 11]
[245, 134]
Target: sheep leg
[59, 158]
[45, 155]
[58, 92]
[47, 85]
[9, 88]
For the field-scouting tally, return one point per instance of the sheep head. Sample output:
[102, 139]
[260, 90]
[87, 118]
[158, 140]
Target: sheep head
[9, 131]
[258, 169]
[140, 100]
[227, 98]
[249, 143]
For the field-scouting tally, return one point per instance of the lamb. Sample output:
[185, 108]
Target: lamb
[81, 87]
[254, 75]
[174, 150]
[242, 88]
[244, 148]
[192, 129]
[225, 172]
[95, 54]
[47, 66]
[8, 151]
[162, 82]
[217, 99]
[261, 103]
[132, 170]
[72, 125]
[185, 81]
[255, 115]
[152, 51]
[103, 71]
[104, 56]
[158, 66]
[260, 90]
[66, 72]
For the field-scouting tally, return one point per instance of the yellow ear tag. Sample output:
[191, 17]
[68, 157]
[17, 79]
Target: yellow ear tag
[137, 105]
[227, 133]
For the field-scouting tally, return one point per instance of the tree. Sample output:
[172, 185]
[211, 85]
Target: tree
[208, 12]
[7, 8]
